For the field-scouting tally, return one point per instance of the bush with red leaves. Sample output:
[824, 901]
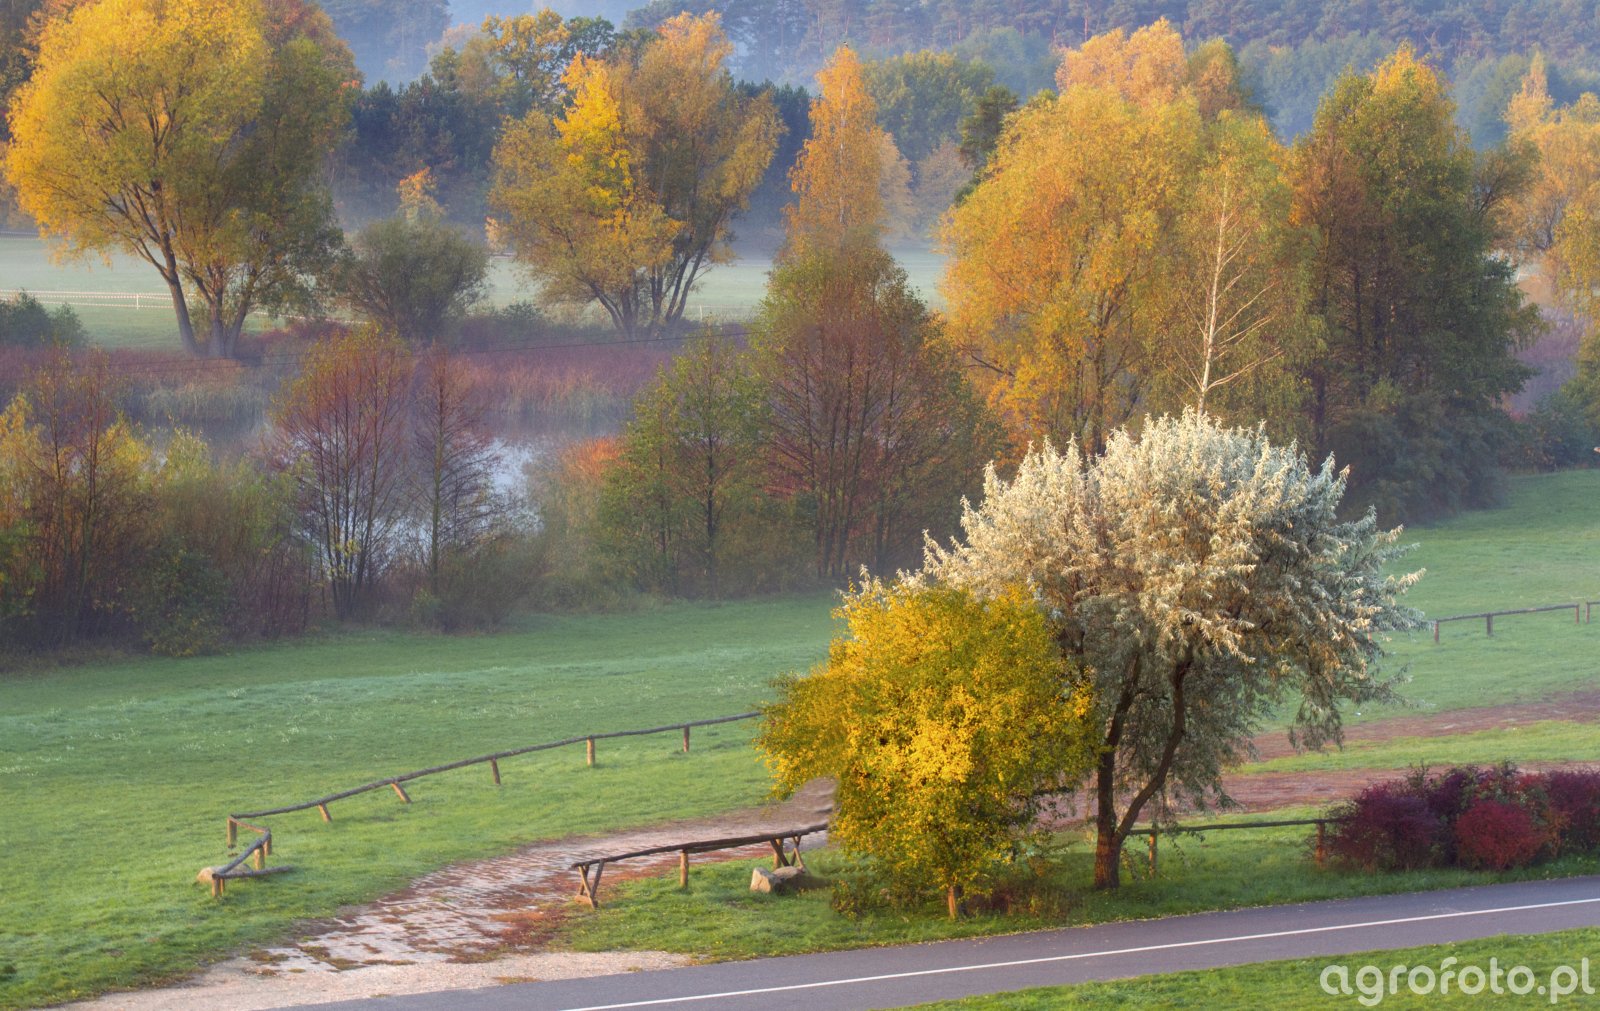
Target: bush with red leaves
[1388, 826]
[1498, 835]
[1575, 808]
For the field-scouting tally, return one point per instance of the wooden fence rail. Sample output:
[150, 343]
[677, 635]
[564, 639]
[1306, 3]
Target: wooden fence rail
[785, 845]
[262, 847]
[216, 877]
[1582, 611]
[1155, 832]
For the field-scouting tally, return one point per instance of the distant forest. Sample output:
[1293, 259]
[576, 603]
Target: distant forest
[1291, 50]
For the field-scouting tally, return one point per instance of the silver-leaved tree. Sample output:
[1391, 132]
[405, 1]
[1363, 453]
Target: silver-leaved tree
[1205, 577]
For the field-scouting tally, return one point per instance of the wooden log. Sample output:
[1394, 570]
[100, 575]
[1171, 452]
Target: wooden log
[402, 792]
[245, 872]
[778, 858]
[325, 815]
[686, 739]
[590, 750]
[233, 833]
[494, 767]
[683, 868]
[261, 856]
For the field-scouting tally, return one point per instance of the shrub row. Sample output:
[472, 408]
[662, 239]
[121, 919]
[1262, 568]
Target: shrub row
[1493, 818]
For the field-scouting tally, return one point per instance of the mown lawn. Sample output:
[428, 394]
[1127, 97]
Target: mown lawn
[1296, 984]
[114, 778]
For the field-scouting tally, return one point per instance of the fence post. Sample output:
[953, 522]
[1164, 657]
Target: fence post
[590, 750]
[683, 868]
[325, 815]
[1154, 831]
[685, 738]
[494, 767]
[1436, 632]
[1322, 843]
[1488, 624]
[233, 832]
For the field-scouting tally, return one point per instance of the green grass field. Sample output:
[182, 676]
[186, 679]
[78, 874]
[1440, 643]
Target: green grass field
[115, 776]
[727, 290]
[1295, 984]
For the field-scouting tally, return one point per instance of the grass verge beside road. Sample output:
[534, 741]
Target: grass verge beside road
[1295, 984]
[719, 917]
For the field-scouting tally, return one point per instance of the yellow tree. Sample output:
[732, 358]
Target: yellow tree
[916, 715]
[849, 176]
[190, 133]
[1059, 280]
[626, 197]
[1125, 250]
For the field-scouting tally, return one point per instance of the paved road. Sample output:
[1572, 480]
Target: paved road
[895, 977]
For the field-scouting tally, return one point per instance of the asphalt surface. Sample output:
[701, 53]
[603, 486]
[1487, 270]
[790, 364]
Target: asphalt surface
[913, 974]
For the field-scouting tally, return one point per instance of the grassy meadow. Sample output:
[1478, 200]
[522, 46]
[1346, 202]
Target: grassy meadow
[729, 290]
[115, 775]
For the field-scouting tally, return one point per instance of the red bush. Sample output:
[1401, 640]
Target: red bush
[1388, 827]
[1575, 808]
[1498, 835]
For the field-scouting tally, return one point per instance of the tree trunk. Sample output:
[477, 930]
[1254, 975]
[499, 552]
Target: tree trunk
[180, 305]
[1108, 842]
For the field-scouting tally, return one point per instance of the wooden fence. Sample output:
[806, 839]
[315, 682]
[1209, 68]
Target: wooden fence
[1154, 832]
[1581, 610]
[262, 847]
[217, 877]
[785, 845]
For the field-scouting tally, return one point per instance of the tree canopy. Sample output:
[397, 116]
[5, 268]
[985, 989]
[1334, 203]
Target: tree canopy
[626, 196]
[192, 134]
[916, 715]
[1204, 577]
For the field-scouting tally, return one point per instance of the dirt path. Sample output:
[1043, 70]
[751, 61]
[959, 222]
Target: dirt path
[486, 922]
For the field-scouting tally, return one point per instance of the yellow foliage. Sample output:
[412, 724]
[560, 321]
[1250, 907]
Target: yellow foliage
[941, 716]
[625, 196]
[849, 171]
[1146, 68]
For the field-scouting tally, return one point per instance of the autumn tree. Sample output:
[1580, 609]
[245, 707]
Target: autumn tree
[454, 463]
[915, 715]
[414, 278]
[75, 498]
[1240, 329]
[1421, 319]
[628, 195]
[341, 430]
[871, 425]
[192, 135]
[1204, 577]
[842, 176]
[1552, 224]
[1060, 281]
[689, 469]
